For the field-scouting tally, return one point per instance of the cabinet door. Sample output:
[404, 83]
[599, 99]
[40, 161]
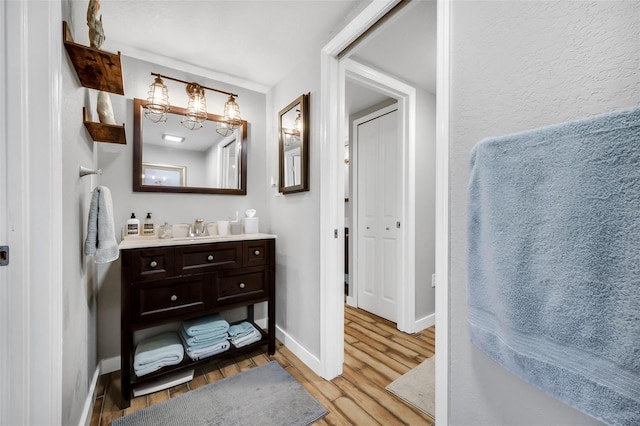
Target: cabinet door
[200, 258]
[155, 300]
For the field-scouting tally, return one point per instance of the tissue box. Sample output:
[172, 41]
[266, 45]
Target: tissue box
[250, 225]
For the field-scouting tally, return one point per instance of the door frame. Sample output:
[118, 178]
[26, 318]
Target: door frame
[405, 95]
[332, 112]
[31, 218]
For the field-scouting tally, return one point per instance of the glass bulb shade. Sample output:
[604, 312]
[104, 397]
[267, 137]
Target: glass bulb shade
[196, 108]
[297, 124]
[158, 102]
[224, 129]
[231, 115]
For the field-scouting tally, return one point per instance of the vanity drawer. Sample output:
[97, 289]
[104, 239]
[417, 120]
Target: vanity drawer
[234, 287]
[207, 257]
[170, 297]
[151, 264]
[255, 252]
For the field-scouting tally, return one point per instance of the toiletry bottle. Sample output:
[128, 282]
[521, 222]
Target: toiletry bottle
[147, 228]
[133, 225]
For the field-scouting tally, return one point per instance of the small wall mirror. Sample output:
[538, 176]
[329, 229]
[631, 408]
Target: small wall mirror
[294, 146]
[167, 157]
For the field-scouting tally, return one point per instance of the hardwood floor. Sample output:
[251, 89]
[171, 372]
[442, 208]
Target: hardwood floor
[375, 355]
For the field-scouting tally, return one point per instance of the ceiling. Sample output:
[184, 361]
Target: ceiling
[255, 43]
[404, 46]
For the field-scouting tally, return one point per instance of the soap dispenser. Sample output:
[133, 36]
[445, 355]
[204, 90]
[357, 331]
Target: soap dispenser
[148, 229]
[133, 226]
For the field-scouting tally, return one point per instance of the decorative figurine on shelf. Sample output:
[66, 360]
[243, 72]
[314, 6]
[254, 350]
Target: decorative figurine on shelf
[96, 32]
[105, 110]
[96, 38]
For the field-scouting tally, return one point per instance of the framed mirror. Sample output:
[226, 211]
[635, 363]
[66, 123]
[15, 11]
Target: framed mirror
[294, 146]
[167, 157]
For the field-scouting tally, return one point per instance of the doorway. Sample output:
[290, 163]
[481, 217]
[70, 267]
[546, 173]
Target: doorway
[353, 72]
[332, 217]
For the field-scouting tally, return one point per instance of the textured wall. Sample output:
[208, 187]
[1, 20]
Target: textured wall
[517, 66]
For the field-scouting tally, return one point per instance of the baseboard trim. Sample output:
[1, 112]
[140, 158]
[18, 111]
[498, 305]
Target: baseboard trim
[87, 410]
[109, 365]
[298, 350]
[425, 322]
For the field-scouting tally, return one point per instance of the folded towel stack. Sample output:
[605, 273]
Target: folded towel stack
[205, 336]
[244, 334]
[156, 352]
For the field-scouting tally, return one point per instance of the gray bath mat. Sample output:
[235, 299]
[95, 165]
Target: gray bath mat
[265, 395]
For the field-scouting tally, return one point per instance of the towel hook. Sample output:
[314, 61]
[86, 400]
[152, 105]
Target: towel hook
[84, 171]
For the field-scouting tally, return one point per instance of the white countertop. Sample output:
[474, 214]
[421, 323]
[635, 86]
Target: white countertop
[147, 242]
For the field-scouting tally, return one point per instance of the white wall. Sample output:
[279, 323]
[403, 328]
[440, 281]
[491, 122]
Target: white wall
[116, 163]
[295, 217]
[79, 359]
[425, 239]
[517, 66]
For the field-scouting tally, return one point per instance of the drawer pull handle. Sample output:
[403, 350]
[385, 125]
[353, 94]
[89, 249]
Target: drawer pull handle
[210, 258]
[153, 264]
[257, 252]
[242, 285]
[174, 298]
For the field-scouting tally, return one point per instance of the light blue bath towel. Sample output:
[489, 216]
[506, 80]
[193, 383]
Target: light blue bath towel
[101, 235]
[554, 260]
[209, 324]
[156, 352]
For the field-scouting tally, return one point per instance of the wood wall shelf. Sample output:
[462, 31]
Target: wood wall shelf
[104, 132]
[96, 68]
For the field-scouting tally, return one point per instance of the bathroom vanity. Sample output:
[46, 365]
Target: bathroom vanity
[169, 281]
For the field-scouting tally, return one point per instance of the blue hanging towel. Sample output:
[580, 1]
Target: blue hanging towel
[554, 260]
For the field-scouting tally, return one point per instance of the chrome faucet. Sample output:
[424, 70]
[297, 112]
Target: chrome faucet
[197, 228]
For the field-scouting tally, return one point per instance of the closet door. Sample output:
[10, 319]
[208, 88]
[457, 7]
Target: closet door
[378, 199]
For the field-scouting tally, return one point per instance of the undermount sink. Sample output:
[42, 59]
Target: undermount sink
[195, 237]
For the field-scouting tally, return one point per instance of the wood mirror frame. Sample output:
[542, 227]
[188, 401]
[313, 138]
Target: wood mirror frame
[293, 158]
[209, 126]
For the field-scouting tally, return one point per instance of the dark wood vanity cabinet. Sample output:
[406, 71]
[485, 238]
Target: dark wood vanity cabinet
[172, 283]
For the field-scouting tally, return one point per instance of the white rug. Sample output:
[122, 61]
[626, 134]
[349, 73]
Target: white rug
[418, 387]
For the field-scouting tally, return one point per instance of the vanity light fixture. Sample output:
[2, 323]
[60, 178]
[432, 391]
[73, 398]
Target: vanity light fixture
[196, 108]
[158, 101]
[172, 138]
[158, 105]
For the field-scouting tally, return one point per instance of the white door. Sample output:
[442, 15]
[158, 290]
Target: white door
[377, 201]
